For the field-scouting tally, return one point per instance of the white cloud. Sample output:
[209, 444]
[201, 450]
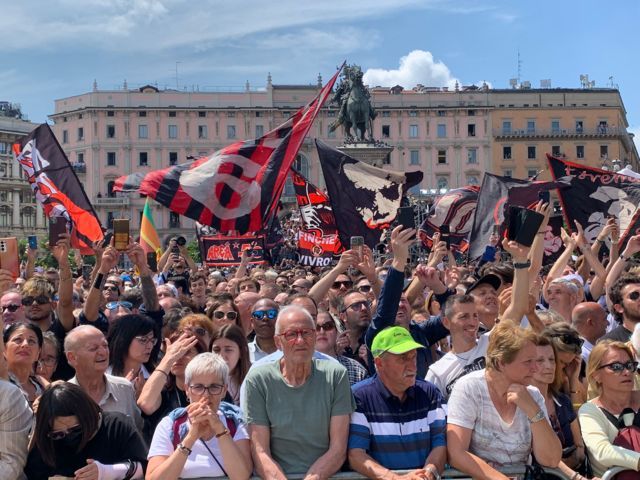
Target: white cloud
[417, 67]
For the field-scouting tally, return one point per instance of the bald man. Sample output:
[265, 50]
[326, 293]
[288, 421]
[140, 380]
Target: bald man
[590, 320]
[244, 303]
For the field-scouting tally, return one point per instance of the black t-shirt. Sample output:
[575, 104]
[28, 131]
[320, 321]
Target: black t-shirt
[117, 441]
[172, 398]
[620, 334]
[63, 371]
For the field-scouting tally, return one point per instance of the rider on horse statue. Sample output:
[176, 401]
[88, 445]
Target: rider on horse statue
[356, 110]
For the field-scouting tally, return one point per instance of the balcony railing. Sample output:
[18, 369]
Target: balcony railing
[560, 132]
[79, 167]
[111, 201]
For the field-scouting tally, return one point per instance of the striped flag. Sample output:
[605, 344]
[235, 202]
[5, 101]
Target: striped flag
[149, 239]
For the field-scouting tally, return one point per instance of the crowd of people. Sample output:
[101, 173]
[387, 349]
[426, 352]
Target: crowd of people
[376, 366]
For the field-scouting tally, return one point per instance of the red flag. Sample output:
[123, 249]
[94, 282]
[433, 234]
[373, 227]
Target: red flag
[236, 188]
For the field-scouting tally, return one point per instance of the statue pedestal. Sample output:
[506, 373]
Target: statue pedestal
[373, 153]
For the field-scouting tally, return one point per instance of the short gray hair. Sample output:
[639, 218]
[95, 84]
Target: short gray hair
[293, 309]
[207, 364]
[573, 288]
[71, 340]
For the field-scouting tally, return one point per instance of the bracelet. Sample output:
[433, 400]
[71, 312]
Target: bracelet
[434, 471]
[623, 258]
[99, 281]
[162, 372]
[537, 417]
[222, 433]
[598, 240]
[183, 449]
[575, 476]
[526, 264]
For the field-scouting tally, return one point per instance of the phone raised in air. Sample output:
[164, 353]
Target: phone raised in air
[9, 259]
[523, 225]
[33, 242]
[406, 217]
[152, 261]
[357, 245]
[57, 226]
[121, 234]
[445, 235]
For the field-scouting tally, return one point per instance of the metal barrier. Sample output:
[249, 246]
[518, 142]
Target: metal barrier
[612, 472]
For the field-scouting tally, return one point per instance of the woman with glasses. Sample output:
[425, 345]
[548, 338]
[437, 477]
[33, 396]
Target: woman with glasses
[49, 353]
[223, 311]
[548, 379]
[611, 371]
[231, 344]
[568, 347]
[73, 438]
[23, 343]
[198, 325]
[207, 438]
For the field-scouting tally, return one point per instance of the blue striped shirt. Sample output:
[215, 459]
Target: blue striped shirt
[397, 435]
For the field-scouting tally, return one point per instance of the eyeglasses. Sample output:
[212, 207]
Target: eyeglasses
[265, 315]
[147, 340]
[111, 288]
[40, 300]
[213, 389]
[11, 307]
[364, 288]
[327, 327]
[292, 335]
[198, 331]
[60, 434]
[358, 305]
[634, 295]
[345, 283]
[230, 315]
[569, 339]
[619, 367]
[48, 361]
[115, 305]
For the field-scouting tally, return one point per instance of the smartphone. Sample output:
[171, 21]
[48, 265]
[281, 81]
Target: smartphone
[9, 256]
[523, 225]
[176, 250]
[121, 233]
[33, 242]
[106, 240]
[544, 196]
[445, 235]
[406, 217]
[495, 230]
[152, 261]
[86, 272]
[57, 226]
[357, 245]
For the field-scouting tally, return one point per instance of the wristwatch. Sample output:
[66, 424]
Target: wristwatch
[526, 264]
[537, 417]
[183, 449]
[434, 471]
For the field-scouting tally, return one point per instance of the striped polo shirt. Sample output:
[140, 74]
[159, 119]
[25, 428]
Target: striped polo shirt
[397, 435]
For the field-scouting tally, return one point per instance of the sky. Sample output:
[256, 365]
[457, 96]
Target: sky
[57, 48]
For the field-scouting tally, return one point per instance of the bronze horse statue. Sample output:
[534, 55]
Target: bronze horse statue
[356, 110]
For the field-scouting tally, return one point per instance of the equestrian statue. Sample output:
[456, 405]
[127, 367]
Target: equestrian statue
[356, 110]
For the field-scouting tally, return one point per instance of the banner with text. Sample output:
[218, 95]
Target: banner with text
[222, 250]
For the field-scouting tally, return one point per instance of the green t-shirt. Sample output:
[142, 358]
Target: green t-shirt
[299, 417]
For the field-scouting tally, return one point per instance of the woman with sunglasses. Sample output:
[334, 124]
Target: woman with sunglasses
[230, 343]
[223, 311]
[198, 325]
[207, 438]
[611, 372]
[23, 343]
[73, 438]
[568, 347]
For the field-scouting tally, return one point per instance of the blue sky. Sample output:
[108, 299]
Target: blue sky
[56, 49]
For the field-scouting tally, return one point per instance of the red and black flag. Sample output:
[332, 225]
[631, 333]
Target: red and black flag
[236, 189]
[318, 240]
[455, 208]
[56, 186]
[594, 195]
[365, 199]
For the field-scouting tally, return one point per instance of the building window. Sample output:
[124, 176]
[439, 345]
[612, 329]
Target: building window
[579, 151]
[471, 130]
[4, 148]
[259, 114]
[506, 153]
[111, 131]
[301, 164]
[110, 185]
[65, 136]
[111, 113]
[80, 157]
[110, 217]
[331, 133]
[442, 157]
[602, 127]
[472, 155]
[259, 131]
[413, 131]
[142, 113]
[80, 134]
[111, 159]
[143, 159]
[143, 131]
[442, 113]
[414, 157]
[172, 114]
[29, 217]
[555, 126]
[386, 114]
[531, 173]
[174, 220]
[231, 114]
[331, 113]
[471, 113]
[5, 216]
[579, 126]
[442, 130]
[202, 114]
[442, 183]
[531, 126]
[386, 131]
[472, 180]
[173, 131]
[202, 131]
[231, 131]
[531, 153]
[506, 127]
[555, 150]
[507, 173]
[604, 151]
[173, 158]
[413, 113]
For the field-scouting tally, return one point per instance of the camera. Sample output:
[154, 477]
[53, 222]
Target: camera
[181, 241]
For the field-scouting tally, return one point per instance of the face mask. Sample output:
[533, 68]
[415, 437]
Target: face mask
[69, 442]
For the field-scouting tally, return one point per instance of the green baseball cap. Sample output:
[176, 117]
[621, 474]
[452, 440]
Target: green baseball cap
[396, 340]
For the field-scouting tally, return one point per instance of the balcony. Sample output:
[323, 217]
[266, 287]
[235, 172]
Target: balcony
[79, 167]
[584, 133]
[110, 201]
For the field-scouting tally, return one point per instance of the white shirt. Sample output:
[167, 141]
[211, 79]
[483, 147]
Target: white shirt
[587, 346]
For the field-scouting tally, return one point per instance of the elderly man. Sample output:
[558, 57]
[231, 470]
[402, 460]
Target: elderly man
[12, 308]
[399, 422]
[562, 295]
[263, 322]
[244, 303]
[590, 320]
[87, 352]
[297, 408]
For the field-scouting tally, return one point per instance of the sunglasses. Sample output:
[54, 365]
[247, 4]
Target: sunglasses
[111, 288]
[60, 434]
[619, 367]
[230, 315]
[345, 283]
[326, 327]
[115, 305]
[569, 339]
[292, 335]
[198, 331]
[263, 315]
[40, 300]
[364, 288]
[11, 307]
[634, 295]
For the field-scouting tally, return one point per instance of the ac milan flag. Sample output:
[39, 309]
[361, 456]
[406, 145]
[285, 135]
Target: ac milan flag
[56, 186]
[236, 189]
[365, 199]
[455, 208]
[595, 195]
[318, 240]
